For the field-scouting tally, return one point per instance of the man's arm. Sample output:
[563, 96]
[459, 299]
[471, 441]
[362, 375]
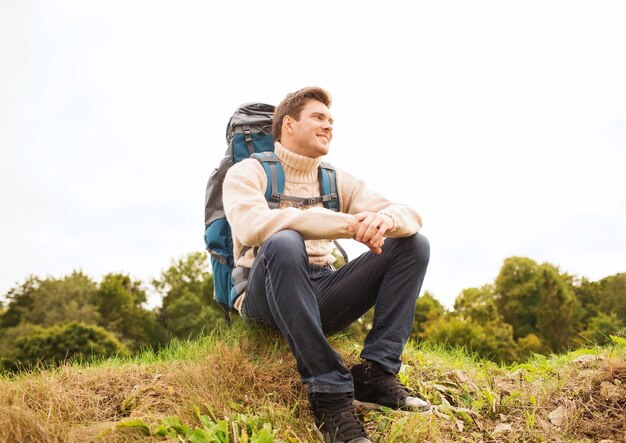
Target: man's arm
[375, 216]
[253, 221]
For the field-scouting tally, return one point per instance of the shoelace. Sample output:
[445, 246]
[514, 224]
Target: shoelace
[389, 382]
[344, 420]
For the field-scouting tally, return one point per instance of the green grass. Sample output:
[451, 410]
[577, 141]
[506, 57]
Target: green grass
[240, 384]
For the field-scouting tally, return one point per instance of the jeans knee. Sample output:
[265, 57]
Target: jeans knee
[419, 247]
[287, 244]
[284, 239]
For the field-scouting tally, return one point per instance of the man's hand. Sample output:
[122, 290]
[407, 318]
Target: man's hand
[369, 228]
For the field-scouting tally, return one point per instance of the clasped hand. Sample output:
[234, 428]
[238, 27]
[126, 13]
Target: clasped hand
[369, 228]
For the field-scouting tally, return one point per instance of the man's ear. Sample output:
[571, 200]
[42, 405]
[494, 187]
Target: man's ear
[287, 124]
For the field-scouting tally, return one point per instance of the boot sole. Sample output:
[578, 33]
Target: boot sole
[368, 405]
[321, 436]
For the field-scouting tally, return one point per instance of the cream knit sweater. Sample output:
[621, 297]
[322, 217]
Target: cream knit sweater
[252, 221]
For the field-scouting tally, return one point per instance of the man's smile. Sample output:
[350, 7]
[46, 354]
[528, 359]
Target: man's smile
[325, 137]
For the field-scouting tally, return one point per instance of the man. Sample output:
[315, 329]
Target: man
[293, 287]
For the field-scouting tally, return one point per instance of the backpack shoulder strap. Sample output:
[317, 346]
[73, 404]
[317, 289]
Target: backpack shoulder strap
[276, 183]
[275, 177]
[330, 195]
[328, 186]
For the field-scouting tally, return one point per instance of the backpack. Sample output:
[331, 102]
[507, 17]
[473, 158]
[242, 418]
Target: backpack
[249, 134]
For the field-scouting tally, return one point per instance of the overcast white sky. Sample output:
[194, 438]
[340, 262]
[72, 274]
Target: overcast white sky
[502, 123]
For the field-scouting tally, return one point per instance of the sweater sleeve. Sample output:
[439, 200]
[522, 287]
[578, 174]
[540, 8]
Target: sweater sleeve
[252, 221]
[356, 197]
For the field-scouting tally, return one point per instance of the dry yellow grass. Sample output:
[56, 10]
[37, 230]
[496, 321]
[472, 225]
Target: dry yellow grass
[74, 403]
[563, 398]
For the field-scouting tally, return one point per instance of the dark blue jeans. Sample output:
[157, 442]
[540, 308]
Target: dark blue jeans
[306, 302]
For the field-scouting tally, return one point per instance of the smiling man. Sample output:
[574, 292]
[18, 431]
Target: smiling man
[292, 285]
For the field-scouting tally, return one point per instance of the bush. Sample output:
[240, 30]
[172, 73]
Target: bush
[492, 340]
[58, 343]
[530, 344]
[601, 327]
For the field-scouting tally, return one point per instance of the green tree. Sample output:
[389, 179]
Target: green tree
[537, 299]
[427, 310]
[187, 290]
[20, 301]
[118, 293]
[518, 296]
[188, 315]
[52, 301]
[588, 294]
[613, 295]
[556, 315]
[531, 344]
[478, 304]
[602, 326]
[119, 302]
[492, 340]
[601, 302]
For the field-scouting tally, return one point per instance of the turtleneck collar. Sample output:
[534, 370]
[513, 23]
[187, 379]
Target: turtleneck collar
[296, 161]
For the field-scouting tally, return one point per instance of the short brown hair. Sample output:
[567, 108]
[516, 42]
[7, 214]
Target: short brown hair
[293, 103]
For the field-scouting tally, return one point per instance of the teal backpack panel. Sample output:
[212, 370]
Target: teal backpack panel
[219, 242]
[261, 143]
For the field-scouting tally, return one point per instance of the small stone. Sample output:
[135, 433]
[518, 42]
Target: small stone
[557, 416]
[609, 390]
[440, 388]
[460, 375]
[502, 427]
[587, 359]
[617, 382]
[606, 441]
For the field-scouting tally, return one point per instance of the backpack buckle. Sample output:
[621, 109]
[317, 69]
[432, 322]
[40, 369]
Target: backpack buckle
[247, 134]
[308, 201]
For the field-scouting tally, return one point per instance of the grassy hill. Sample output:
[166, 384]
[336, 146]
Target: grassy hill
[240, 385]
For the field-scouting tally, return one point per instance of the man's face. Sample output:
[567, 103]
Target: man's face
[311, 135]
